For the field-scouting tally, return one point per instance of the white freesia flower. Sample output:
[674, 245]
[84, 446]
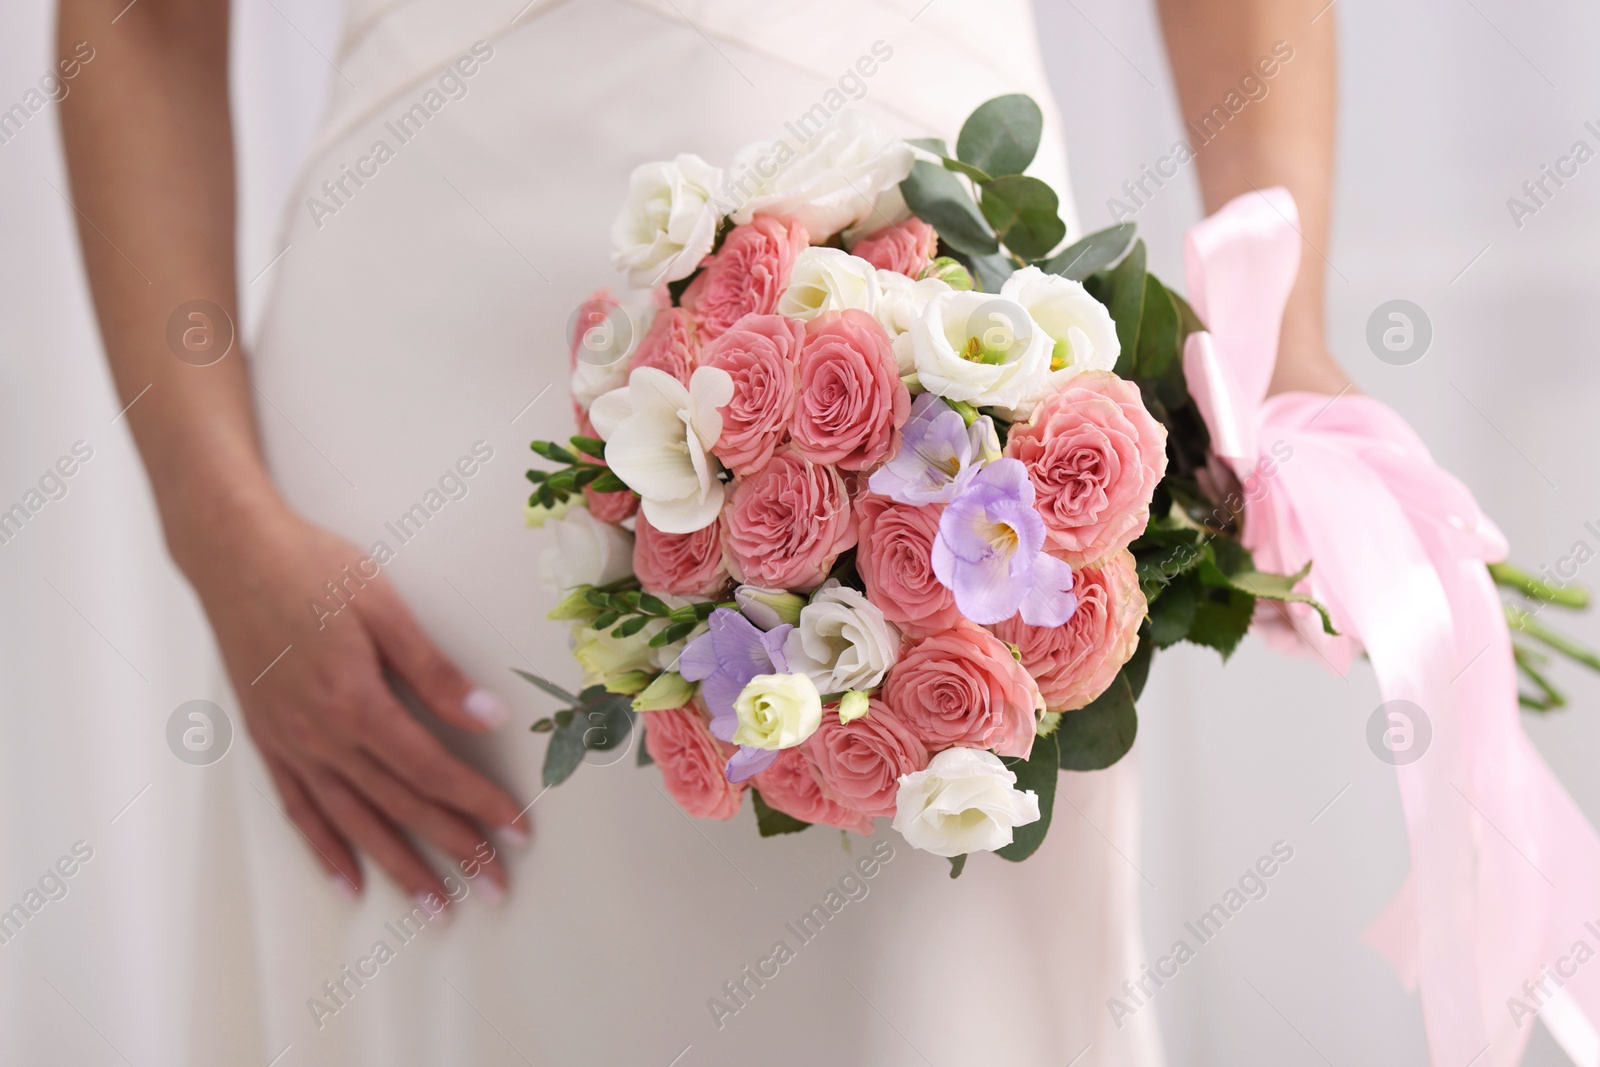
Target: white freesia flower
[659, 436]
[829, 279]
[901, 303]
[829, 182]
[1079, 329]
[668, 222]
[843, 641]
[980, 348]
[965, 801]
[777, 711]
[584, 551]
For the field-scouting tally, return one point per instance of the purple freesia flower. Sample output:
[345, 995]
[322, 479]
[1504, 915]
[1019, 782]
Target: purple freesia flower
[939, 453]
[989, 552]
[723, 660]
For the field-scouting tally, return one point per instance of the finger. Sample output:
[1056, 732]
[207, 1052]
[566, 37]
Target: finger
[452, 834]
[333, 854]
[447, 692]
[416, 757]
[377, 837]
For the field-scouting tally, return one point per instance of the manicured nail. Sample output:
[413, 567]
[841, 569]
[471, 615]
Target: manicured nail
[493, 892]
[345, 888]
[515, 836]
[486, 708]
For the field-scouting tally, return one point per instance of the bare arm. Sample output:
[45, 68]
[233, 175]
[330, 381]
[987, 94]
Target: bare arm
[149, 147]
[1283, 138]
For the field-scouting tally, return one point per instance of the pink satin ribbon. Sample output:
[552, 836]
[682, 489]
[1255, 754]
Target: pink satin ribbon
[1505, 875]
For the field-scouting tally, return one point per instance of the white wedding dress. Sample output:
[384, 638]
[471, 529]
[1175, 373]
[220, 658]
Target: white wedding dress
[421, 308]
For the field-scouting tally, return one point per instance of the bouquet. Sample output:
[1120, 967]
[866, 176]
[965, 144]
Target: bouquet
[882, 501]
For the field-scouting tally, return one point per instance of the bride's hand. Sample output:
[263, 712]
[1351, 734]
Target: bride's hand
[353, 767]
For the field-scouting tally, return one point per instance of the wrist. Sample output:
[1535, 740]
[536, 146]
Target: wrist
[211, 526]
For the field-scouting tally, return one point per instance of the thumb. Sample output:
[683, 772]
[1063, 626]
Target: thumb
[448, 693]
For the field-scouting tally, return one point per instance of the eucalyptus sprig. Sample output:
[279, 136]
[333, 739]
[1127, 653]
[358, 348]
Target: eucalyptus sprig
[582, 466]
[626, 611]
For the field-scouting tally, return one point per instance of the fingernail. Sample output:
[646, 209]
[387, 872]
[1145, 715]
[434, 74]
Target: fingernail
[344, 888]
[515, 836]
[493, 892]
[486, 707]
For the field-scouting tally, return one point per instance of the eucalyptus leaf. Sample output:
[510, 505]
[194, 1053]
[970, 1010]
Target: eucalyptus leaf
[1127, 306]
[1023, 212]
[1002, 135]
[548, 686]
[938, 198]
[565, 751]
[991, 272]
[1039, 773]
[771, 822]
[1094, 737]
[607, 718]
[1094, 252]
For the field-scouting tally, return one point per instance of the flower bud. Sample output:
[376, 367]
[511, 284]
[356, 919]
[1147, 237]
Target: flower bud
[949, 271]
[852, 706]
[768, 608]
[576, 606]
[668, 691]
[628, 683]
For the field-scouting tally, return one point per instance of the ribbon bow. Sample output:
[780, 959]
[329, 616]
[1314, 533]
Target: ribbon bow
[1505, 878]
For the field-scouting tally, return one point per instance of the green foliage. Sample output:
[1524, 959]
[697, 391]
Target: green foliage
[581, 466]
[770, 821]
[597, 721]
[1002, 136]
[938, 198]
[1094, 737]
[1039, 773]
[1023, 212]
[957, 865]
[1095, 252]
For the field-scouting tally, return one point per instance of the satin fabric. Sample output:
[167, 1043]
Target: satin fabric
[1505, 869]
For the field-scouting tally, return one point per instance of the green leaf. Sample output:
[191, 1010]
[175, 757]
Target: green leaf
[1095, 737]
[607, 718]
[566, 749]
[548, 686]
[1228, 564]
[543, 726]
[991, 272]
[606, 620]
[1158, 331]
[1002, 135]
[629, 627]
[1023, 212]
[1172, 613]
[589, 446]
[1039, 773]
[1094, 252]
[935, 145]
[608, 482]
[652, 605]
[957, 865]
[1137, 668]
[938, 198]
[643, 759]
[1127, 306]
[770, 821]
[1221, 620]
[553, 452]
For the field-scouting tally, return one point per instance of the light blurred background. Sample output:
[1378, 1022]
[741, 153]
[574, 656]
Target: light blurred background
[1447, 107]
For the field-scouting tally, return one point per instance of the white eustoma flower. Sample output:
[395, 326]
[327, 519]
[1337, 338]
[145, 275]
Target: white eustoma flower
[829, 279]
[901, 303]
[843, 641]
[964, 801]
[777, 711]
[980, 348]
[828, 182]
[584, 551]
[668, 222]
[1079, 329]
[659, 436]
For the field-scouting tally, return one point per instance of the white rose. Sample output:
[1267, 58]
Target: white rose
[668, 222]
[659, 435]
[777, 711]
[888, 209]
[901, 303]
[980, 348]
[584, 551]
[843, 641]
[827, 182]
[1079, 329]
[965, 801]
[829, 279]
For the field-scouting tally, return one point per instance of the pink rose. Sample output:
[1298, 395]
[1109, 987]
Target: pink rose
[762, 353]
[692, 763]
[746, 276]
[668, 345]
[790, 785]
[852, 402]
[860, 763]
[591, 313]
[1095, 455]
[894, 557]
[963, 687]
[784, 526]
[678, 564]
[1077, 662]
[607, 507]
[903, 247]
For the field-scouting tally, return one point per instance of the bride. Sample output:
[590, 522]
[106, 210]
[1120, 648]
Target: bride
[431, 904]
